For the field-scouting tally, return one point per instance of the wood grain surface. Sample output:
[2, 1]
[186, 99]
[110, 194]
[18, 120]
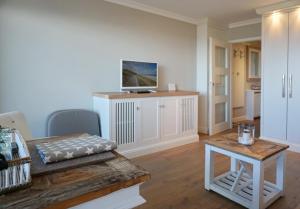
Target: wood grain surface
[260, 150]
[75, 186]
[177, 180]
[125, 95]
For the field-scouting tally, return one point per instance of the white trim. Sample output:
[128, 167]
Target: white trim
[239, 118]
[278, 6]
[255, 38]
[163, 145]
[230, 85]
[293, 147]
[154, 10]
[244, 23]
[203, 129]
[121, 199]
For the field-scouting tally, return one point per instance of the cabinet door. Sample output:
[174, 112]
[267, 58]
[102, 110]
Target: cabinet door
[274, 78]
[293, 130]
[149, 121]
[169, 117]
[188, 115]
[124, 123]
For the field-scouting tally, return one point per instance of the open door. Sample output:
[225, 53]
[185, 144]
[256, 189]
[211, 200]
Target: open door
[219, 87]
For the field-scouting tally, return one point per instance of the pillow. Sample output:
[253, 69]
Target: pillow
[74, 147]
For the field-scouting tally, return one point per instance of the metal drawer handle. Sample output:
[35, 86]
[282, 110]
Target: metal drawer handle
[290, 86]
[283, 85]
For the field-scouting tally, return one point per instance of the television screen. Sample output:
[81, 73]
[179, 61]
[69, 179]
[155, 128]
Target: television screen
[138, 74]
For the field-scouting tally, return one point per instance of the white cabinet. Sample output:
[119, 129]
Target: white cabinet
[188, 118]
[169, 117]
[257, 99]
[281, 73]
[293, 78]
[148, 126]
[144, 125]
[274, 63]
[252, 104]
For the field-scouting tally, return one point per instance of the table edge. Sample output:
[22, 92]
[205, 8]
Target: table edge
[99, 193]
[283, 148]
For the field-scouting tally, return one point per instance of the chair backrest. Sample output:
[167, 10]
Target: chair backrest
[16, 120]
[64, 122]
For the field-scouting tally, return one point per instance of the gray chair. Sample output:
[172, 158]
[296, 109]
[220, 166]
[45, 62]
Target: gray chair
[64, 122]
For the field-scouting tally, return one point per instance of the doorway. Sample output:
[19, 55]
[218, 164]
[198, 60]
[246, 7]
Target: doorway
[246, 82]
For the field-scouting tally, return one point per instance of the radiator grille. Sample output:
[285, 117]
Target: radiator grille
[188, 114]
[125, 123]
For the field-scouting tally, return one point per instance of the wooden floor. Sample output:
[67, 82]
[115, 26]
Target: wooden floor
[177, 180]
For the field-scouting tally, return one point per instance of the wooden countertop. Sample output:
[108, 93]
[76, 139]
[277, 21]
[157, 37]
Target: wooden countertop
[66, 189]
[260, 150]
[125, 95]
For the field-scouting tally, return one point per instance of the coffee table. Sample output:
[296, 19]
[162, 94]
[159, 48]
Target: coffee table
[246, 186]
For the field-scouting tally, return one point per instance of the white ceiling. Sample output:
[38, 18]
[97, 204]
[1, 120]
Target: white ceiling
[223, 11]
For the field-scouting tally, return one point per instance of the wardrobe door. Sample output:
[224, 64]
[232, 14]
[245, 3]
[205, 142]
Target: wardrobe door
[293, 127]
[274, 77]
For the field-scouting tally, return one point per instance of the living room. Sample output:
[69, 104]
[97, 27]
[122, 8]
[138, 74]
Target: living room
[163, 116]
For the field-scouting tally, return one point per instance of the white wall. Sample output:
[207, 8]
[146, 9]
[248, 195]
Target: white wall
[244, 32]
[202, 76]
[55, 53]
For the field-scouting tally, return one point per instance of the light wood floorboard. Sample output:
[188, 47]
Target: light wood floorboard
[177, 180]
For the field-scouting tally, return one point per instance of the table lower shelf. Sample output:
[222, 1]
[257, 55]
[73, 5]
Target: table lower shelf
[243, 193]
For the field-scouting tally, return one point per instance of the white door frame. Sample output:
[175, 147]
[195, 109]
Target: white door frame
[212, 42]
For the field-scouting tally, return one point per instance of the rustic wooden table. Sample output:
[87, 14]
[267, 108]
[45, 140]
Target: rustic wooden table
[244, 186]
[83, 187]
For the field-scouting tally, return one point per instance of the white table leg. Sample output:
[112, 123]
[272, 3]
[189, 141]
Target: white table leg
[280, 172]
[233, 164]
[209, 166]
[258, 185]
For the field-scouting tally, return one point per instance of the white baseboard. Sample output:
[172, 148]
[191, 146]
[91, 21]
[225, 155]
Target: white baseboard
[240, 118]
[203, 130]
[160, 146]
[293, 147]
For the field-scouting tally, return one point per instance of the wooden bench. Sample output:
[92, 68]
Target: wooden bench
[113, 183]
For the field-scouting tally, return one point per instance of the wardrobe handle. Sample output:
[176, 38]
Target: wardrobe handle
[283, 85]
[290, 86]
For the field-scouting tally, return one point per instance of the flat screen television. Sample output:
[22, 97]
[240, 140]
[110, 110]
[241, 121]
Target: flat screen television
[139, 75]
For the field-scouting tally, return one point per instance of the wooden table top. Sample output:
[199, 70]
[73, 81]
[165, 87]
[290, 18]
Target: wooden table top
[125, 95]
[75, 186]
[260, 150]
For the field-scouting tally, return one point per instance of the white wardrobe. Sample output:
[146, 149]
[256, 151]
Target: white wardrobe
[280, 118]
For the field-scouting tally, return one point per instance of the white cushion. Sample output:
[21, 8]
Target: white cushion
[16, 120]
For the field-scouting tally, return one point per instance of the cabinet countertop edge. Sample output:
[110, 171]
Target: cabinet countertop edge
[125, 95]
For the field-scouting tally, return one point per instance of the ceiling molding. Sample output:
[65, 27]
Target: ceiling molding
[255, 38]
[284, 5]
[245, 23]
[154, 10]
